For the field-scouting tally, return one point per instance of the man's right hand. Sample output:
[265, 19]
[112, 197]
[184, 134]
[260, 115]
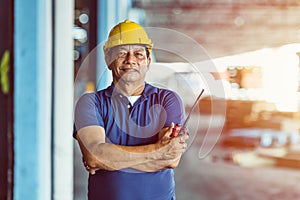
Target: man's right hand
[171, 148]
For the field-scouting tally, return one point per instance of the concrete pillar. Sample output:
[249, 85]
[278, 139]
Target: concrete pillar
[32, 99]
[63, 100]
[43, 99]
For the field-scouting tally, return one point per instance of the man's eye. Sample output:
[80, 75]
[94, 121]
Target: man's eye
[139, 54]
[122, 54]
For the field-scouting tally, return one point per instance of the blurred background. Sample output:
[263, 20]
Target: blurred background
[244, 141]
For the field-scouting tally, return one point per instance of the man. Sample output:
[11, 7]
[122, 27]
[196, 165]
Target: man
[124, 131]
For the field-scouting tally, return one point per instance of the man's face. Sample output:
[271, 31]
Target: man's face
[128, 63]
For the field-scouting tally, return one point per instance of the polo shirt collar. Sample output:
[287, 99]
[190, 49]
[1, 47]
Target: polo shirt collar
[148, 90]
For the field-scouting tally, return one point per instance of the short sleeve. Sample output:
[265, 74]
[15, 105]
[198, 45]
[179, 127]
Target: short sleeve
[87, 112]
[174, 108]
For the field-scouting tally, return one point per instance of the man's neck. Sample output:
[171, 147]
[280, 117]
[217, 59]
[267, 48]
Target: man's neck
[130, 89]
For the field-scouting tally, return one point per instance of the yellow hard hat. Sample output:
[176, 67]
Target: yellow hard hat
[127, 32]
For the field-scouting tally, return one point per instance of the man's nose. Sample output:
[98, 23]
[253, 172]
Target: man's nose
[130, 58]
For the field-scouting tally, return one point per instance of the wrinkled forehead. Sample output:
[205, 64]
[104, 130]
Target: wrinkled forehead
[129, 47]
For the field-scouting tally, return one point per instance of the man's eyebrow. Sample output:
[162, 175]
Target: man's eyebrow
[134, 49]
[139, 49]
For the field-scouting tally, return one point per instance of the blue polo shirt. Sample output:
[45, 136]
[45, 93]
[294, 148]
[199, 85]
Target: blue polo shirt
[130, 125]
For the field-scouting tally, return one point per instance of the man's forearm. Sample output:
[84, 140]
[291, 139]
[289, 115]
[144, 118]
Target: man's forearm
[145, 158]
[157, 165]
[153, 157]
[115, 157]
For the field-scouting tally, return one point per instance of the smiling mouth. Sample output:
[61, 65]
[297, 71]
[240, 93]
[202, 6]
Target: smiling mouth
[129, 70]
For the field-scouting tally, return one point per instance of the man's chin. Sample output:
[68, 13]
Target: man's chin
[128, 79]
[130, 76]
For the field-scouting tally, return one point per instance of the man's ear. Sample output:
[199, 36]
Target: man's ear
[108, 60]
[148, 64]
